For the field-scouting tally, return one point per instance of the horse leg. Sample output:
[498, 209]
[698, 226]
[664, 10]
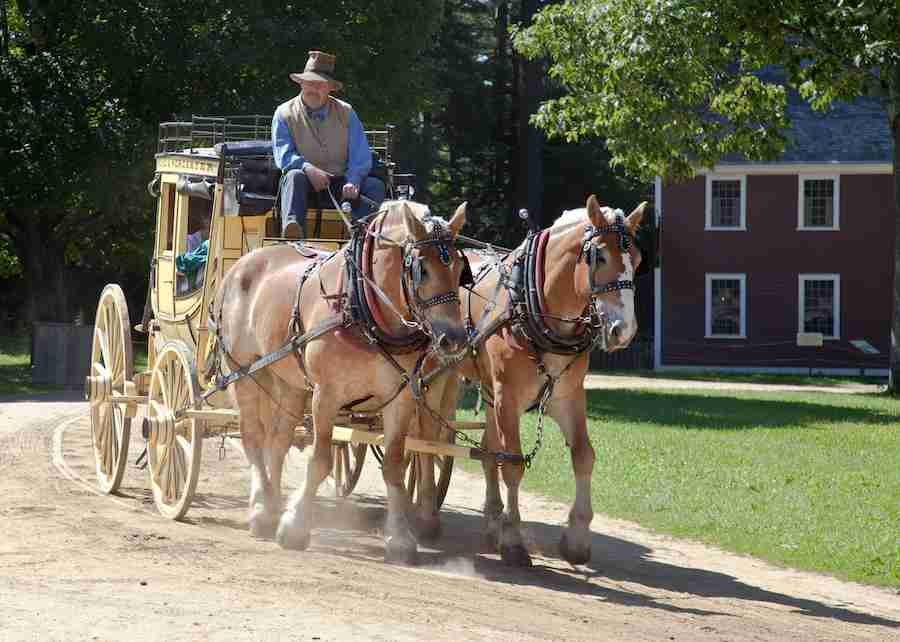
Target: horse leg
[512, 546]
[443, 391]
[493, 503]
[570, 414]
[263, 510]
[289, 414]
[296, 522]
[399, 543]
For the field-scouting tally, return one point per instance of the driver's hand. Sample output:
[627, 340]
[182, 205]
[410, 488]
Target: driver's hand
[350, 192]
[318, 178]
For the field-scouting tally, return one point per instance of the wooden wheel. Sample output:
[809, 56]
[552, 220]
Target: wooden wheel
[347, 461]
[174, 442]
[111, 357]
[443, 469]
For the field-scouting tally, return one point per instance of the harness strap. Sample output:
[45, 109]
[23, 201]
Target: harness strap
[285, 350]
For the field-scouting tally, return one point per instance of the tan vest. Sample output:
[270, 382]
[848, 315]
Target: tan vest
[322, 143]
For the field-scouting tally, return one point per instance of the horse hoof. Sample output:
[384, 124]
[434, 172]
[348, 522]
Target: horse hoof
[292, 539]
[398, 553]
[263, 529]
[490, 543]
[572, 556]
[429, 531]
[515, 555]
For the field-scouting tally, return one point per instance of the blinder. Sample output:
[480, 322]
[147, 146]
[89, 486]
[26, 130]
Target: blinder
[413, 265]
[466, 278]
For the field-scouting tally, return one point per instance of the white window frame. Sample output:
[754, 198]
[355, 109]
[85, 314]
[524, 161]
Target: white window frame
[709, 227]
[836, 202]
[710, 277]
[836, 304]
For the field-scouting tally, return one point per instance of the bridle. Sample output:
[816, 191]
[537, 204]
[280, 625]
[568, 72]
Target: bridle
[441, 238]
[591, 253]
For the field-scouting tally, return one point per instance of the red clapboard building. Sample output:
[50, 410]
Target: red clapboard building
[758, 257]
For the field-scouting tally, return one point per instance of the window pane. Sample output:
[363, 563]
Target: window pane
[818, 307]
[191, 265]
[725, 306]
[726, 203]
[818, 203]
[167, 214]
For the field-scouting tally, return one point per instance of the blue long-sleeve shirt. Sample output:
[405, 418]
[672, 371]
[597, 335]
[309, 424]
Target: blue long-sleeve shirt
[287, 156]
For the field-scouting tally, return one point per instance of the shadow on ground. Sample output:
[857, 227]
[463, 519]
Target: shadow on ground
[340, 524]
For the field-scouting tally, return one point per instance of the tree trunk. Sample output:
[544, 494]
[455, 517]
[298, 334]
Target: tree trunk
[894, 382]
[531, 139]
[44, 274]
[515, 107]
[4, 30]
[501, 32]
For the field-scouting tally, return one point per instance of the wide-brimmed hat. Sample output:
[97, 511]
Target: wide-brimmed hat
[319, 66]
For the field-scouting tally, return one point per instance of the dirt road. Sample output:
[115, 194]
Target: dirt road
[75, 565]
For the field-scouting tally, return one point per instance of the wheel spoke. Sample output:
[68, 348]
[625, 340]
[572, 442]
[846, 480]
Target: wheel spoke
[104, 346]
[115, 344]
[181, 396]
[411, 475]
[110, 339]
[103, 438]
[346, 462]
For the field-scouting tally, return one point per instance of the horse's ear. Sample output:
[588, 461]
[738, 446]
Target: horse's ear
[459, 218]
[414, 227]
[594, 211]
[634, 219]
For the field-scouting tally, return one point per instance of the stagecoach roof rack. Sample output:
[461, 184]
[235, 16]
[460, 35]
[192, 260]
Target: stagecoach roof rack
[201, 134]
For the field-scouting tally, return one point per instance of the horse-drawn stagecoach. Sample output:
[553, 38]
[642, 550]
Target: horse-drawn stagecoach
[214, 177]
[522, 328]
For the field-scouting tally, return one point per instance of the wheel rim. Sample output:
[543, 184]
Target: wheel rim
[174, 462]
[111, 349]
[346, 467]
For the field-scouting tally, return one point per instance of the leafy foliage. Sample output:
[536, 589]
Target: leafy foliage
[674, 84]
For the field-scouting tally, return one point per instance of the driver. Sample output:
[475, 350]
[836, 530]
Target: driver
[318, 142]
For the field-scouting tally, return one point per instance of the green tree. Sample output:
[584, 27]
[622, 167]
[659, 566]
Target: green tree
[84, 84]
[673, 85]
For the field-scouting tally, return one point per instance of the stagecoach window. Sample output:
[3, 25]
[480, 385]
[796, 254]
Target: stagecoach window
[819, 198]
[726, 300]
[820, 296]
[191, 263]
[167, 206]
[726, 203]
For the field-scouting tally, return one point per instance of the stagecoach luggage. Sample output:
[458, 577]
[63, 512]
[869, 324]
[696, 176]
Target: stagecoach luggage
[253, 186]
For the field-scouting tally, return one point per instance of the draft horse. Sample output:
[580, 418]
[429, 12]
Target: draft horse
[375, 307]
[568, 289]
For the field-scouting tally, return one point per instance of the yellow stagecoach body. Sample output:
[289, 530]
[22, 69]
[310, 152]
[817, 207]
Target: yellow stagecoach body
[206, 156]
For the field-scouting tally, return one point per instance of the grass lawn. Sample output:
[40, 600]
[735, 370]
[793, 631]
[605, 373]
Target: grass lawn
[805, 480]
[15, 366]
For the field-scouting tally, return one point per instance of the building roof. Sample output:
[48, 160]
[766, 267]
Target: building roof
[854, 132]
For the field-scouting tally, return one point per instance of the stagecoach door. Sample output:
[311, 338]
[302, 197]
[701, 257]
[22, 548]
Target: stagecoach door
[164, 296]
